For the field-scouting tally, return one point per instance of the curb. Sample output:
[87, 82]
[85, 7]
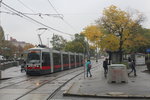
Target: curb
[108, 96]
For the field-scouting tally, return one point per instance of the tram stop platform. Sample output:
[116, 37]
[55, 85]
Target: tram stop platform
[99, 87]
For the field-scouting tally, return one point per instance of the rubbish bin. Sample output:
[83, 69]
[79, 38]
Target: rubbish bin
[117, 73]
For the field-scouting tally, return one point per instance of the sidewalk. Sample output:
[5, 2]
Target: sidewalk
[11, 72]
[97, 86]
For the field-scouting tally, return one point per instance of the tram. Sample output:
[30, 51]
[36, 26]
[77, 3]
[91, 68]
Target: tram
[43, 60]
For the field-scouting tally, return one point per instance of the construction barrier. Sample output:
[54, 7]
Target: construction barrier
[117, 73]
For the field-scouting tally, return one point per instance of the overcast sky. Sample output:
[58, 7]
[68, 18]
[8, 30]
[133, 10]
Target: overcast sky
[77, 15]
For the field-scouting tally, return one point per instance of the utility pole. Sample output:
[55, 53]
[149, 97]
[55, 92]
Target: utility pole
[7, 36]
[53, 40]
[47, 42]
[87, 47]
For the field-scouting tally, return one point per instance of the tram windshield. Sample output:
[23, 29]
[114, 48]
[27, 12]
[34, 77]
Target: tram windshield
[33, 57]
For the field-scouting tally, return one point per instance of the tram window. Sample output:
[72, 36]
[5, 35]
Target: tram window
[33, 57]
[72, 59]
[65, 59]
[56, 58]
[81, 60]
[46, 59]
[77, 58]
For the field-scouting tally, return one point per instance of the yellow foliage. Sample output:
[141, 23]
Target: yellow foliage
[92, 33]
[115, 17]
[135, 41]
[119, 28]
[28, 46]
[109, 43]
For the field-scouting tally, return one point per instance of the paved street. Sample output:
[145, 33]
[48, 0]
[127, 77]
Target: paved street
[96, 86]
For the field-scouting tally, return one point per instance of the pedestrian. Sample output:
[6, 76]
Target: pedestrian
[105, 66]
[88, 68]
[132, 66]
[23, 66]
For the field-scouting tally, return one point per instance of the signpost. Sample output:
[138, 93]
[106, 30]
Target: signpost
[148, 51]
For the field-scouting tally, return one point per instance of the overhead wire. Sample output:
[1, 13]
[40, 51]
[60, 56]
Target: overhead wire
[55, 9]
[26, 6]
[12, 13]
[62, 17]
[40, 23]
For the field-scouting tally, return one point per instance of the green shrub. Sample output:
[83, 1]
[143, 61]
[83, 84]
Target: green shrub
[125, 63]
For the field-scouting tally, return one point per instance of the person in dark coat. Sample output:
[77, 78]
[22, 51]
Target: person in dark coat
[105, 66]
[132, 66]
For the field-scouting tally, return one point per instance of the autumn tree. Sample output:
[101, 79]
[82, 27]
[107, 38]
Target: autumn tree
[121, 24]
[28, 46]
[93, 34]
[9, 49]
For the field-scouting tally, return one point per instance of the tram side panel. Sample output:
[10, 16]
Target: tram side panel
[82, 60]
[65, 61]
[57, 62]
[77, 60]
[46, 64]
[72, 60]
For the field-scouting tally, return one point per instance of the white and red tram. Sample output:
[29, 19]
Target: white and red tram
[42, 60]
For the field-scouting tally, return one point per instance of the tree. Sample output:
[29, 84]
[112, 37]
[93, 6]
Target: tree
[120, 23]
[9, 49]
[77, 45]
[137, 43]
[58, 42]
[93, 34]
[2, 36]
[28, 46]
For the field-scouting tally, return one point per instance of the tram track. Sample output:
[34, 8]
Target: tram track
[50, 95]
[49, 82]
[14, 83]
[50, 79]
[59, 88]
[19, 77]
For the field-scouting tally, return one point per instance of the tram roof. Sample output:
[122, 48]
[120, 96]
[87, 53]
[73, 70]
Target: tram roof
[55, 51]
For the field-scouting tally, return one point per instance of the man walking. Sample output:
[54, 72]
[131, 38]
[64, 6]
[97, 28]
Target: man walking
[105, 66]
[132, 66]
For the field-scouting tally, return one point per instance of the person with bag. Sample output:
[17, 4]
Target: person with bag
[88, 68]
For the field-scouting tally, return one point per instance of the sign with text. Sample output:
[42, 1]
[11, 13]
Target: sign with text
[148, 50]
